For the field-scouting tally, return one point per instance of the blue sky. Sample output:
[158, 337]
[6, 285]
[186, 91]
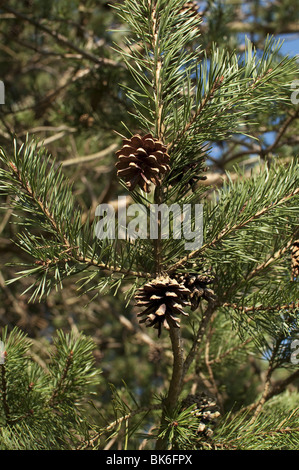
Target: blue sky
[290, 45]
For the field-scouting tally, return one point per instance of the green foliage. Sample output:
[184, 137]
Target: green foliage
[42, 407]
[187, 79]
[275, 429]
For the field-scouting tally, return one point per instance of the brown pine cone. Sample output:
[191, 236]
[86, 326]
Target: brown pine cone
[142, 161]
[206, 410]
[197, 285]
[163, 299]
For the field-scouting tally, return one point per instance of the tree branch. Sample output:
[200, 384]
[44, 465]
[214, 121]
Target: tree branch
[199, 336]
[264, 28]
[227, 230]
[175, 385]
[259, 308]
[90, 442]
[273, 258]
[267, 384]
[72, 251]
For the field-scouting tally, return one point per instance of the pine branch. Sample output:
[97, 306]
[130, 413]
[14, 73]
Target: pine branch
[96, 435]
[90, 158]
[278, 254]
[280, 385]
[157, 85]
[271, 390]
[25, 185]
[61, 220]
[208, 96]
[257, 308]
[41, 405]
[211, 308]
[280, 133]
[271, 368]
[175, 386]
[61, 385]
[275, 435]
[229, 230]
[254, 149]
[163, 71]
[239, 88]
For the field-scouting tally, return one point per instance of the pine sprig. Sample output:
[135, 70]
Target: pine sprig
[258, 203]
[64, 245]
[270, 431]
[163, 70]
[41, 408]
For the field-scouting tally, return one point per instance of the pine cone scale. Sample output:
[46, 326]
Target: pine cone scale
[165, 300]
[197, 286]
[142, 161]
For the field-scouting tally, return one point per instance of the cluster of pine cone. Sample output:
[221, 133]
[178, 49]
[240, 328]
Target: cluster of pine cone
[165, 298]
[206, 410]
[198, 287]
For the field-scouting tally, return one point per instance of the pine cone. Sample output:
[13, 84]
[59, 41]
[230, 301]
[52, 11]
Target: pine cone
[206, 411]
[142, 161]
[197, 285]
[163, 299]
[295, 260]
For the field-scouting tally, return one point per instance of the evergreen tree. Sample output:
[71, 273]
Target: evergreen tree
[220, 372]
[42, 403]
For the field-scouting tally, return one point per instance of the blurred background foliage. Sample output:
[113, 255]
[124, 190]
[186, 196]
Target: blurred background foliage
[65, 85]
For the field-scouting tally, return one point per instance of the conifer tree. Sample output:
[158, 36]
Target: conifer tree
[205, 356]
